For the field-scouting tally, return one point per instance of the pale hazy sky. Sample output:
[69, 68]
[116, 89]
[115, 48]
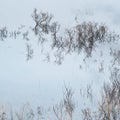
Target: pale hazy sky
[37, 81]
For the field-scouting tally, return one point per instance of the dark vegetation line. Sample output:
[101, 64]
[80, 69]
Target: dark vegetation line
[83, 37]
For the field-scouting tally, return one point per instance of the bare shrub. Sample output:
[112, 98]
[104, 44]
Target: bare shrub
[59, 111]
[68, 101]
[3, 33]
[110, 105]
[30, 51]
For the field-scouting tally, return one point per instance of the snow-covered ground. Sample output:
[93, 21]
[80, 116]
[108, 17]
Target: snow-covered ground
[39, 82]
